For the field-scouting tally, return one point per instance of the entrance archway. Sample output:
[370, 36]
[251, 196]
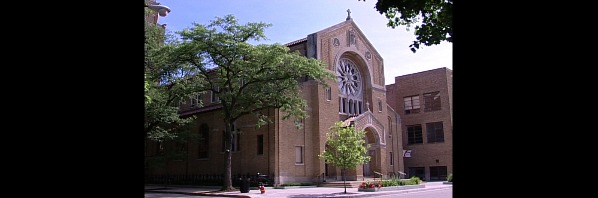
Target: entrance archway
[372, 165]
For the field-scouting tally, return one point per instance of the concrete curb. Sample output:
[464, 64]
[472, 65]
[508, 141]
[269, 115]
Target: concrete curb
[197, 193]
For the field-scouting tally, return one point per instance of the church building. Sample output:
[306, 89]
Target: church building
[285, 153]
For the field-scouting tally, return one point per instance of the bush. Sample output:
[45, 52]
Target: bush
[415, 180]
[394, 181]
[449, 178]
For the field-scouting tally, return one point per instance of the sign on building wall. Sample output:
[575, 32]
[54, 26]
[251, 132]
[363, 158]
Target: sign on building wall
[406, 153]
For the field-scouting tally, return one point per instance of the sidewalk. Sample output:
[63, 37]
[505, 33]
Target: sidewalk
[292, 192]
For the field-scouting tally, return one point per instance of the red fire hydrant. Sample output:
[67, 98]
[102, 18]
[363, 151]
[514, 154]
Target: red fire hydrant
[262, 189]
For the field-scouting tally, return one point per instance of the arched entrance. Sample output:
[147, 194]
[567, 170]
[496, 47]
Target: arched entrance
[372, 165]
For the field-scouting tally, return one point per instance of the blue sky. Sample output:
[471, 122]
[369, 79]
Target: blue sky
[295, 19]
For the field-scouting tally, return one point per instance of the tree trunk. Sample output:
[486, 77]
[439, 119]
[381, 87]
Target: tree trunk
[228, 183]
[344, 181]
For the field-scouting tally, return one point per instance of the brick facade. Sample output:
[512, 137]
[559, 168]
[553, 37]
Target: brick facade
[425, 154]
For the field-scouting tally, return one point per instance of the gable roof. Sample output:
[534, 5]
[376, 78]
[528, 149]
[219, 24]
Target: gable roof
[337, 26]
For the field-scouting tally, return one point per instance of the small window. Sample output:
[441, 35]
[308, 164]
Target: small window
[195, 100]
[298, 155]
[340, 105]
[379, 105]
[411, 104]
[204, 142]
[182, 102]
[432, 101]
[391, 158]
[414, 134]
[328, 94]
[215, 98]
[435, 132]
[260, 144]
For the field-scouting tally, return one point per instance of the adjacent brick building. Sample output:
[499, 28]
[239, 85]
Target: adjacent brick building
[424, 101]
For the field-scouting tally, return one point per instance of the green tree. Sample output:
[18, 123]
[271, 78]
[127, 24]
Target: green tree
[346, 148]
[247, 79]
[436, 17]
[167, 82]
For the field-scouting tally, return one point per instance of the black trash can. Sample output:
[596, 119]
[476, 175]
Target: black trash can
[244, 185]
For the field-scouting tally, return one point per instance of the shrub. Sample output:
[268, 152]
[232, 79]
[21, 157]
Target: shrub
[394, 181]
[415, 180]
[449, 178]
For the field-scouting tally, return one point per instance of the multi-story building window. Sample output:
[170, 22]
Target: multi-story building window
[379, 105]
[298, 154]
[182, 102]
[435, 132]
[438, 173]
[196, 100]
[204, 142]
[215, 98]
[411, 104]
[392, 159]
[328, 94]
[414, 134]
[260, 144]
[432, 101]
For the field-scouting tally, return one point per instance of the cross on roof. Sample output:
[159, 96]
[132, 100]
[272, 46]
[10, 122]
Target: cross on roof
[348, 14]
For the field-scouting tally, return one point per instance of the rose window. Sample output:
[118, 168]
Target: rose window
[348, 78]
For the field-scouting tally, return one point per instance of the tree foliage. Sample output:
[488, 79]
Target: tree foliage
[436, 17]
[345, 147]
[246, 78]
[166, 83]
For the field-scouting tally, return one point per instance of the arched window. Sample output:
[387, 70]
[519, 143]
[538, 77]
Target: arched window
[204, 142]
[350, 87]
